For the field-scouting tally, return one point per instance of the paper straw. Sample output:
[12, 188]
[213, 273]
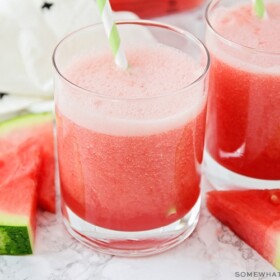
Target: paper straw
[259, 8]
[112, 33]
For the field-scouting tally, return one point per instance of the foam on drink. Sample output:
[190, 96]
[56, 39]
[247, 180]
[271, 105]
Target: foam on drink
[123, 102]
[241, 26]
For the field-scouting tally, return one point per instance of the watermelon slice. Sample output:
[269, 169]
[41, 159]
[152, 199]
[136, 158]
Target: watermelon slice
[19, 169]
[254, 215]
[38, 127]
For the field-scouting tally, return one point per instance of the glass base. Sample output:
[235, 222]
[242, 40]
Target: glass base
[222, 178]
[130, 243]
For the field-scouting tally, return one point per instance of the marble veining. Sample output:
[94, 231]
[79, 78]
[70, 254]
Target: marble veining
[212, 252]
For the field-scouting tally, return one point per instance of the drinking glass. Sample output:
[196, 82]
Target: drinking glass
[130, 166]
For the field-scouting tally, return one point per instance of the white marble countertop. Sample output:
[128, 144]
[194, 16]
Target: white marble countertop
[212, 252]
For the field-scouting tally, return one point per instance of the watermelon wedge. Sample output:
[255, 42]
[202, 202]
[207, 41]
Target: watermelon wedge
[38, 127]
[19, 170]
[254, 215]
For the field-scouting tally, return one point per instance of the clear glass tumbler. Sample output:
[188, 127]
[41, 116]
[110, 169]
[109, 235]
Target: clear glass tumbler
[130, 166]
[243, 127]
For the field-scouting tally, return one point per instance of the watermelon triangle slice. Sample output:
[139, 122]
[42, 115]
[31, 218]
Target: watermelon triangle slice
[19, 170]
[38, 127]
[254, 215]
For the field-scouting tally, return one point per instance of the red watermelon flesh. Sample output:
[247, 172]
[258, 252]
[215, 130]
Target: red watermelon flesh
[254, 215]
[38, 127]
[19, 170]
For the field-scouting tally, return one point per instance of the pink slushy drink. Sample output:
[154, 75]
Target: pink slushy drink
[139, 173]
[130, 142]
[243, 131]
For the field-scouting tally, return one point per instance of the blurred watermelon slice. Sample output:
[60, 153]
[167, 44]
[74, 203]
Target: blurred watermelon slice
[19, 170]
[39, 128]
[254, 215]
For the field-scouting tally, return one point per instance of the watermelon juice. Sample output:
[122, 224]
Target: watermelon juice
[243, 129]
[148, 9]
[132, 182]
[130, 143]
[132, 174]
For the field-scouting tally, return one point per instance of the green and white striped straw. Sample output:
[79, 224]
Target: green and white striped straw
[112, 33]
[259, 9]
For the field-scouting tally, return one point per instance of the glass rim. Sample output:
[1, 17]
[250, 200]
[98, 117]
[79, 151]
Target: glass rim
[211, 5]
[150, 23]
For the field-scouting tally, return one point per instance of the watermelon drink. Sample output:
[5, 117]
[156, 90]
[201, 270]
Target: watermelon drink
[130, 141]
[148, 9]
[243, 129]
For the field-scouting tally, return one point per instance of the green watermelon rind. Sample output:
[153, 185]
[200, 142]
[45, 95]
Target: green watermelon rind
[11, 219]
[276, 261]
[24, 121]
[16, 235]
